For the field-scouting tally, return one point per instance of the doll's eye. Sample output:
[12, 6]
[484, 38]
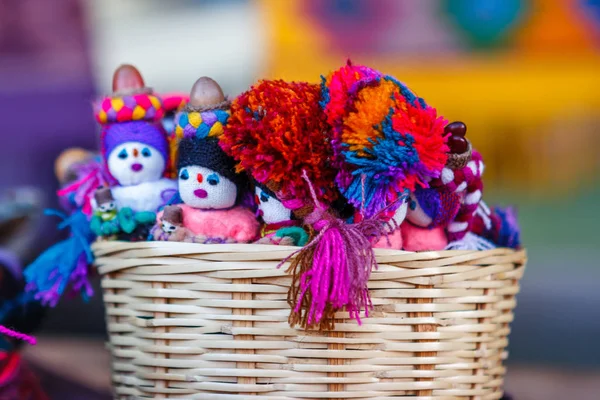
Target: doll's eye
[213, 179]
[146, 152]
[184, 175]
[264, 197]
[412, 204]
[123, 154]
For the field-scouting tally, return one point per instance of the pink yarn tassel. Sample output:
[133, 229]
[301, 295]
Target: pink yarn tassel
[17, 335]
[332, 271]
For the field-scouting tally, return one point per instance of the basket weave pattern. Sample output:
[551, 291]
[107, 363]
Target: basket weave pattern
[210, 322]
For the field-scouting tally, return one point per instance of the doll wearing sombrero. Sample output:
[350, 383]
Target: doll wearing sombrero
[209, 187]
[134, 143]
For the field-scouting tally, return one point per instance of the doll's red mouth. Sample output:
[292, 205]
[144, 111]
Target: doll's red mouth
[137, 167]
[201, 193]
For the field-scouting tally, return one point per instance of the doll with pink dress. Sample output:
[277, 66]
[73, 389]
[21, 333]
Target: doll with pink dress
[209, 187]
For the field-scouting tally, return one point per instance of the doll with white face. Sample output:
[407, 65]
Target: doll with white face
[170, 226]
[279, 227]
[104, 222]
[134, 143]
[208, 184]
[210, 190]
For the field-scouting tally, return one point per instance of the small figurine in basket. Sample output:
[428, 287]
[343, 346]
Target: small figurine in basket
[111, 223]
[104, 222]
[170, 227]
[134, 143]
[209, 187]
[387, 143]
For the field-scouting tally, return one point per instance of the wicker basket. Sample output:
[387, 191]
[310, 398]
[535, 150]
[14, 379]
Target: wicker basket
[210, 322]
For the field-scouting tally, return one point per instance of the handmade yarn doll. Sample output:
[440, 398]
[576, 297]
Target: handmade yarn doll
[170, 227]
[208, 184]
[104, 221]
[111, 223]
[387, 143]
[134, 143]
[278, 134]
[280, 227]
[443, 212]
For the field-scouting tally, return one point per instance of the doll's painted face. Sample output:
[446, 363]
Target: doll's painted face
[203, 188]
[168, 227]
[416, 214]
[107, 207]
[271, 209]
[132, 163]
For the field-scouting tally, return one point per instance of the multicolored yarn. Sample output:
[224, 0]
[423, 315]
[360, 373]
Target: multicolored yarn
[498, 225]
[467, 183]
[332, 271]
[135, 107]
[385, 139]
[201, 124]
[276, 131]
[440, 205]
[173, 103]
[17, 335]
[132, 117]
[66, 263]
[78, 194]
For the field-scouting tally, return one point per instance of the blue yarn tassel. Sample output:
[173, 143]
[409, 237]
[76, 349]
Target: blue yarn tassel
[65, 262]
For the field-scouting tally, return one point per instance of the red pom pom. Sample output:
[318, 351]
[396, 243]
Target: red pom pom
[276, 131]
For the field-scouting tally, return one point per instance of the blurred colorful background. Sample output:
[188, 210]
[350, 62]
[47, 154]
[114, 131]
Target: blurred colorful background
[524, 75]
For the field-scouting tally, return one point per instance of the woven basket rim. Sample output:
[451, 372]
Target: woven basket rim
[250, 252]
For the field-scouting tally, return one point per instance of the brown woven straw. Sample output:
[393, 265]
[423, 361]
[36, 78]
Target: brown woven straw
[191, 321]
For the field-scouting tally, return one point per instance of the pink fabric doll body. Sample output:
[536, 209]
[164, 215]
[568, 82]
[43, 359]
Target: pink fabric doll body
[169, 226]
[234, 225]
[208, 184]
[430, 211]
[417, 238]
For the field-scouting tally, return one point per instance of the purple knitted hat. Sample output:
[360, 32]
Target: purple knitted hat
[145, 132]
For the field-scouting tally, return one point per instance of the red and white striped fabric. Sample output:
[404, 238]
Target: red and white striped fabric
[467, 183]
